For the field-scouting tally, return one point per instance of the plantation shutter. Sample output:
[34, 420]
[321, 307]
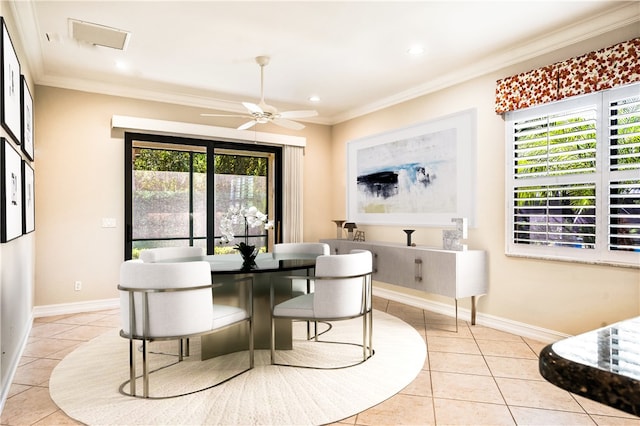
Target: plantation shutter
[624, 165]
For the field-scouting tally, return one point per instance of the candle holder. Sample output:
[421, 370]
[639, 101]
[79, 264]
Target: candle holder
[409, 232]
[339, 226]
[350, 226]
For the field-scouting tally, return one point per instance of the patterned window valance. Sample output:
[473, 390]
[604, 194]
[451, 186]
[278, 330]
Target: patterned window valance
[595, 71]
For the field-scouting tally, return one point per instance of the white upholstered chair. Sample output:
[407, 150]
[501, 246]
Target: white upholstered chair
[169, 254]
[161, 254]
[342, 290]
[305, 248]
[302, 286]
[172, 301]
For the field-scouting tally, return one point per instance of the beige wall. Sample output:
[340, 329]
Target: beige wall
[80, 180]
[565, 297]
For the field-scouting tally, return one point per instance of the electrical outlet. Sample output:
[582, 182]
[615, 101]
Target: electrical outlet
[77, 286]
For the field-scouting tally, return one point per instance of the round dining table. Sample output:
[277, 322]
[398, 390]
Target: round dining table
[269, 270]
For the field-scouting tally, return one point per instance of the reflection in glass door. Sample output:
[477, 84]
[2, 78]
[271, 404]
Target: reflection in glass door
[169, 197]
[242, 180]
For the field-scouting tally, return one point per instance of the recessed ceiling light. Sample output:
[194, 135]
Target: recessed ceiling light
[122, 65]
[415, 50]
[314, 98]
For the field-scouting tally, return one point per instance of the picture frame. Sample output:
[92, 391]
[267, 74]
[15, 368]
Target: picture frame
[28, 198]
[11, 192]
[10, 111]
[26, 120]
[419, 175]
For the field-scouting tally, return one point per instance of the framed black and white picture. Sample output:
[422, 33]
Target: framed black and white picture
[28, 199]
[10, 111]
[27, 119]
[11, 191]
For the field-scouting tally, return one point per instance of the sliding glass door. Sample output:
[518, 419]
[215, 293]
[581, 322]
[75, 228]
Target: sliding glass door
[178, 190]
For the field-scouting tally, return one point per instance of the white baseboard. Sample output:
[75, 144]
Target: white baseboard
[13, 365]
[75, 307]
[509, 326]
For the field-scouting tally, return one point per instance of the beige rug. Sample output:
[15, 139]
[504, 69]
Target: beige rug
[85, 383]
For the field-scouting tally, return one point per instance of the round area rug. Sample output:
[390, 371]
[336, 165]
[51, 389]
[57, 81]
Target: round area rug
[85, 383]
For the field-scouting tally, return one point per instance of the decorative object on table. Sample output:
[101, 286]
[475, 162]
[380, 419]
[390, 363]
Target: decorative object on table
[11, 211]
[452, 239]
[250, 217]
[339, 224]
[27, 119]
[248, 253]
[409, 232]
[421, 175]
[350, 226]
[359, 236]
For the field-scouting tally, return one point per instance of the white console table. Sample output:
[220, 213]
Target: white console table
[455, 274]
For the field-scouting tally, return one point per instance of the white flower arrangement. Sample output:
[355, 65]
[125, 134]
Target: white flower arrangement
[250, 217]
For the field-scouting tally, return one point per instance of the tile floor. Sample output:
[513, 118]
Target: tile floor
[478, 376]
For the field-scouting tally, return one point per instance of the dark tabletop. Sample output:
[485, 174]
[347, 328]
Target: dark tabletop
[603, 365]
[264, 262]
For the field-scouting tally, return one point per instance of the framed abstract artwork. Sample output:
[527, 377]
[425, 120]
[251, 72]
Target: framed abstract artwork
[28, 198]
[10, 111]
[11, 191]
[27, 119]
[421, 175]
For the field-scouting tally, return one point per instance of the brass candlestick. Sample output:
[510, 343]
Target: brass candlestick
[339, 230]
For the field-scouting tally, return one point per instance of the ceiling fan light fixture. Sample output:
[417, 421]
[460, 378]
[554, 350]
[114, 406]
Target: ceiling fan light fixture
[263, 113]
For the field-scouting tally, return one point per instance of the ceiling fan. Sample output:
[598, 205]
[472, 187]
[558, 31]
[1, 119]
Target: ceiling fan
[262, 113]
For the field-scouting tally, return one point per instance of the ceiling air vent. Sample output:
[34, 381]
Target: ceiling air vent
[98, 35]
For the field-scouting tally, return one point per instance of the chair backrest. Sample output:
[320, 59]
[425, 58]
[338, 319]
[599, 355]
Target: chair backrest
[171, 313]
[171, 253]
[342, 297]
[304, 248]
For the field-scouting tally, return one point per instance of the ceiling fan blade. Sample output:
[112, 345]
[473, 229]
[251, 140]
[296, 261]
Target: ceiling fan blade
[298, 114]
[289, 124]
[223, 115]
[248, 125]
[253, 108]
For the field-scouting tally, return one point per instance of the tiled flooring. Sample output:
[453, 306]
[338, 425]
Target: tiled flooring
[478, 376]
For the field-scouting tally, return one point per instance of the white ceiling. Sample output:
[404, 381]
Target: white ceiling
[350, 53]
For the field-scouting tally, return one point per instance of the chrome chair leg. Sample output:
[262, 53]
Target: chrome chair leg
[132, 367]
[145, 370]
[273, 340]
[251, 348]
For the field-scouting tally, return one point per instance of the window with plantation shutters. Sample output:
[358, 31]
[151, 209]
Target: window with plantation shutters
[573, 179]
